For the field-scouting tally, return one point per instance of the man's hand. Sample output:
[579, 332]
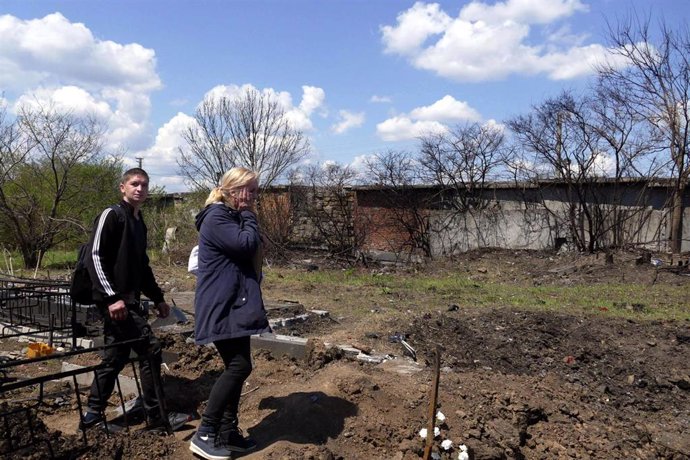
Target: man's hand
[118, 310]
[163, 309]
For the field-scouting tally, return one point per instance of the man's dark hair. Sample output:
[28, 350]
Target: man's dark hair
[134, 172]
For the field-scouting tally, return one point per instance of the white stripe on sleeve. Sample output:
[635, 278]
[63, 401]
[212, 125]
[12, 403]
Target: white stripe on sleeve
[95, 251]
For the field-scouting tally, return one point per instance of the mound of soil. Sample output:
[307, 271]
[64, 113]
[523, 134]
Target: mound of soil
[513, 385]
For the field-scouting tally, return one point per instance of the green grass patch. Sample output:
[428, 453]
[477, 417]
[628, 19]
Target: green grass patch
[635, 301]
[55, 259]
[59, 259]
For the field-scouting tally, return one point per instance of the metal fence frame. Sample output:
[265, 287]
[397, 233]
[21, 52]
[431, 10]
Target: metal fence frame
[9, 383]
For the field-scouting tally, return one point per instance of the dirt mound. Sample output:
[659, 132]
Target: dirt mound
[542, 381]
[514, 384]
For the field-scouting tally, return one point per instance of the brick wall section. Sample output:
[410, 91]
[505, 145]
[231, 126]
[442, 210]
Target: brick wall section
[381, 221]
[382, 231]
[310, 211]
[373, 219]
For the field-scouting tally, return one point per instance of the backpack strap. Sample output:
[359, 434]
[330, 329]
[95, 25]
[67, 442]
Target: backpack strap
[119, 210]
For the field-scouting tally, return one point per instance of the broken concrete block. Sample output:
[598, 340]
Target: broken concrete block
[294, 347]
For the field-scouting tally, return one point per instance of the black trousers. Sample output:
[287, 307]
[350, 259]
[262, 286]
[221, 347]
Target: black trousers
[224, 400]
[134, 326]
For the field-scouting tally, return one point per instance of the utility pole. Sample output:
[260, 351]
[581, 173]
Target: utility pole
[140, 160]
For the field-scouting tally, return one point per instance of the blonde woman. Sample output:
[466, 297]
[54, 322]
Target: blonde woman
[228, 305]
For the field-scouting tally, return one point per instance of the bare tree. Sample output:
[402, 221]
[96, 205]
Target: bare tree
[628, 146]
[461, 162]
[51, 171]
[403, 204]
[655, 84]
[331, 208]
[589, 145]
[249, 130]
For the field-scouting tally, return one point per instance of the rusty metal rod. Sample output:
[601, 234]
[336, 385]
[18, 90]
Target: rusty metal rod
[432, 406]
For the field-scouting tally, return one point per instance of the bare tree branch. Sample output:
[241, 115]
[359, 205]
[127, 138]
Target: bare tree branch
[655, 84]
[249, 130]
[45, 157]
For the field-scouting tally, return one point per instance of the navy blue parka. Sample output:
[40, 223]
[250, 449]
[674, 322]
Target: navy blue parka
[228, 302]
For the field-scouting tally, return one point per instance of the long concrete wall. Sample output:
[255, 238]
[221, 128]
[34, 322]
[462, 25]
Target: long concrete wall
[511, 225]
[518, 216]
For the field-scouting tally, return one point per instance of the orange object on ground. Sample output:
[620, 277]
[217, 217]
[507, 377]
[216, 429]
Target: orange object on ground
[39, 349]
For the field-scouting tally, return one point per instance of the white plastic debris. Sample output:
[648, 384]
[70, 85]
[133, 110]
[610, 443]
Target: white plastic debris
[440, 417]
[422, 432]
[447, 444]
[463, 455]
[435, 456]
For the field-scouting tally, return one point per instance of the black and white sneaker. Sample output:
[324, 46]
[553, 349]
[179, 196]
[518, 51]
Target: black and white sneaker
[205, 445]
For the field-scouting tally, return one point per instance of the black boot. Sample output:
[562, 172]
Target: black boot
[230, 436]
[176, 420]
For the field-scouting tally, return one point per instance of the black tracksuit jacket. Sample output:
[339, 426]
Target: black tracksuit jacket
[119, 265]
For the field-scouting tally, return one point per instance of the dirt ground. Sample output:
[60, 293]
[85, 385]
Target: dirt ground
[514, 384]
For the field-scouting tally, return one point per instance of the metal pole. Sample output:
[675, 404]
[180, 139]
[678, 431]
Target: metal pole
[432, 406]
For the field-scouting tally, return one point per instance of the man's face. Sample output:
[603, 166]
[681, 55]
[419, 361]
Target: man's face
[135, 190]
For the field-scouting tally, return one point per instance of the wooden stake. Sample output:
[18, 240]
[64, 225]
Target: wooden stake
[432, 407]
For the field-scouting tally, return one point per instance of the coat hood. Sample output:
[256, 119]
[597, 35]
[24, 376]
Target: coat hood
[201, 216]
[204, 212]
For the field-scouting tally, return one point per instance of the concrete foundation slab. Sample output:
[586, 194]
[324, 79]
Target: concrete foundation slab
[295, 347]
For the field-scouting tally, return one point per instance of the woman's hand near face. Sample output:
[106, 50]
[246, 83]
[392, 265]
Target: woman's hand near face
[243, 198]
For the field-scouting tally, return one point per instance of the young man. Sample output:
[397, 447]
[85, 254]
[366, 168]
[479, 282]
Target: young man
[120, 271]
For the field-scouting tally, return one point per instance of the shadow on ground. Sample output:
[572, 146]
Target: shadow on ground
[302, 418]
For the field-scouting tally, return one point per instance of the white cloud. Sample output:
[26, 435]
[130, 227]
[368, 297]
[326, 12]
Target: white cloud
[60, 64]
[578, 62]
[299, 116]
[172, 184]
[380, 99]
[490, 42]
[160, 160]
[526, 11]
[603, 165]
[57, 52]
[125, 121]
[348, 120]
[491, 123]
[414, 27]
[564, 36]
[402, 128]
[312, 99]
[426, 120]
[66, 99]
[446, 109]
[359, 165]
[228, 91]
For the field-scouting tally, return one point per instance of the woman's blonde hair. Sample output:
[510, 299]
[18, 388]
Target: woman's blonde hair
[233, 179]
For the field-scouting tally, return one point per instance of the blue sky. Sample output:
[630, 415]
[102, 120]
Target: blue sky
[358, 77]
